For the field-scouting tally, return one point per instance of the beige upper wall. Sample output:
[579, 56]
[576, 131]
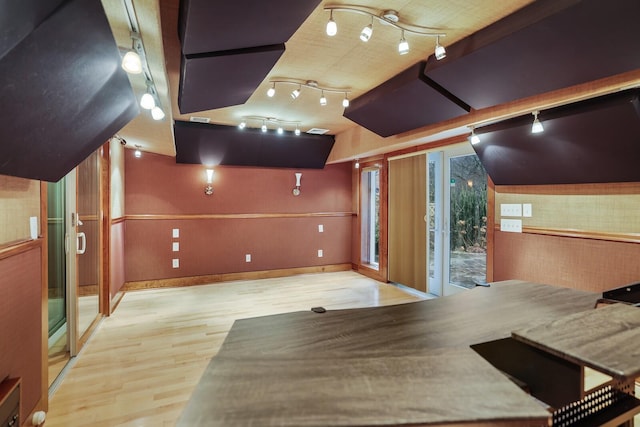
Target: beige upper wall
[19, 200]
[116, 151]
[605, 208]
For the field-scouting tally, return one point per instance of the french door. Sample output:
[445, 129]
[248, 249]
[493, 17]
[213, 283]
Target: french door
[456, 220]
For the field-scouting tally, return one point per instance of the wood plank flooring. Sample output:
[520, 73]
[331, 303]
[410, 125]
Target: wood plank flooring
[143, 362]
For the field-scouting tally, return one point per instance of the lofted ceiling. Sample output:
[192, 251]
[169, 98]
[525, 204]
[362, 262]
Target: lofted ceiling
[342, 61]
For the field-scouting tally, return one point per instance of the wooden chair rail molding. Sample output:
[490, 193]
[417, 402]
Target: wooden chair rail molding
[581, 234]
[14, 248]
[237, 216]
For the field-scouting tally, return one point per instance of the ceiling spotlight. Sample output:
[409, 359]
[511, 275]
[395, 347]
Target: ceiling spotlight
[403, 46]
[440, 52]
[365, 35]
[297, 131]
[357, 165]
[131, 62]
[147, 102]
[271, 91]
[536, 127]
[264, 127]
[242, 125]
[473, 138]
[323, 99]
[280, 130]
[137, 153]
[345, 101]
[332, 27]
[296, 93]
[157, 113]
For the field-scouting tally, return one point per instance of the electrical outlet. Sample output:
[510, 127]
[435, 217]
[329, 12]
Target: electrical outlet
[175, 247]
[320, 254]
[175, 263]
[176, 233]
[247, 258]
[527, 210]
[510, 209]
[511, 225]
[320, 228]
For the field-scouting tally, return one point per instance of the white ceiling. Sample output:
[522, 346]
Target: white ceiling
[342, 61]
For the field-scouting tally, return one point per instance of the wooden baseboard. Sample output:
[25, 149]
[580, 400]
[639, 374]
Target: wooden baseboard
[227, 277]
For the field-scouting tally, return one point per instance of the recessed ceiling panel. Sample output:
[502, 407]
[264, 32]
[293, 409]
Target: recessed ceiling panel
[63, 93]
[213, 26]
[548, 45]
[405, 102]
[198, 143]
[218, 80]
[595, 141]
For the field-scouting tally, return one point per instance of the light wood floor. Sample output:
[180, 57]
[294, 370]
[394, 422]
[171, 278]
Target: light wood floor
[143, 362]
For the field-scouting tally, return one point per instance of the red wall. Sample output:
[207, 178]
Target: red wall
[258, 215]
[590, 265]
[21, 323]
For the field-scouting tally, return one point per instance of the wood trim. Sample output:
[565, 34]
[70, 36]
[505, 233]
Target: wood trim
[18, 247]
[491, 214]
[236, 216]
[615, 188]
[115, 221]
[105, 231]
[226, 277]
[581, 234]
[43, 402]
[371, 273]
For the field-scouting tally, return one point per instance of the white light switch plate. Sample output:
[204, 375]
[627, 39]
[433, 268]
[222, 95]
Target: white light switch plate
[510, 209]
[320, 254]
[175, 263]
[175, 246]
[320, 228]
[176, 233]
[511, 225]
[247, 258]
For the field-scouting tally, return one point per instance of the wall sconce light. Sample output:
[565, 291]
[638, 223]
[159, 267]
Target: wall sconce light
[388, 17]
[296, 189]
[208, 189]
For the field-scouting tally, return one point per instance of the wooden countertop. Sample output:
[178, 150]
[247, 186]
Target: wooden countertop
[407, 364]
[606, 339]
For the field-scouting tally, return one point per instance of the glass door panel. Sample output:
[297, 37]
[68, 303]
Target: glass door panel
[435, 227]
[467, 206]
[370, 223]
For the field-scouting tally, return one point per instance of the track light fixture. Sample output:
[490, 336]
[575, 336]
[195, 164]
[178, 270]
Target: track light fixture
[536, 127]
[367, 31]
[135, 62]
[473, 138]
[439, 52]
[137, 153]
[311, 84]
[280, 125]
[403, 46]
[332, 27]
[389, 17]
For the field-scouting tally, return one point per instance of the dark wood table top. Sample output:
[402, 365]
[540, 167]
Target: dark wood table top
[606, 339]
[407, 364]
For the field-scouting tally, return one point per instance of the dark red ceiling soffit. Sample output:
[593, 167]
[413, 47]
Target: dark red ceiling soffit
[198, 143]
[593, 141]
[405, 102]
[228, 47]
[62, 91]
[547, 45]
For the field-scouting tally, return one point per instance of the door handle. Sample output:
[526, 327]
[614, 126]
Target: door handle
[81, 248]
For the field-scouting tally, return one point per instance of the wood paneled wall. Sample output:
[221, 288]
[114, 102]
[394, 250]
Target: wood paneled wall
[21, 321]
[252, 211]
[580, 236]
[407, 226]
